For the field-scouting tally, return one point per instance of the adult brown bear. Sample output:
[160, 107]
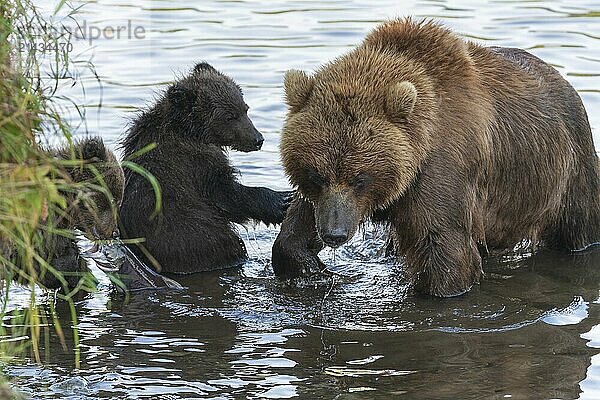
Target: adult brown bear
[460, 149]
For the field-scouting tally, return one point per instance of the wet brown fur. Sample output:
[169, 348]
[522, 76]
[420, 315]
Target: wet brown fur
[496, 150]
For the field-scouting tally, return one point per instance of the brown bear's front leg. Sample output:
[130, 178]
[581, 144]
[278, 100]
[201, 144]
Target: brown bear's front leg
[297, 245]
[437, 227]
[444, 265]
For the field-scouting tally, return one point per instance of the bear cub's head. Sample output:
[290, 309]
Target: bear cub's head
[93, 206]
[209, 106]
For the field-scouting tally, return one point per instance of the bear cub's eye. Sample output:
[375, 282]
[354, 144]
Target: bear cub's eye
[361, 181]
[235, 115]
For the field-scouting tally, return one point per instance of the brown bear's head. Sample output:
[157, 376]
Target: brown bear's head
[93, 207]
[350, 143]
[209, 106]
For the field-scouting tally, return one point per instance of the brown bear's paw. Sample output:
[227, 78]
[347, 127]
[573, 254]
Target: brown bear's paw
[290, 264]
[446, 284]
[69, 269]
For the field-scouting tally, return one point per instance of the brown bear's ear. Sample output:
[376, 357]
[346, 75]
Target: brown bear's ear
[298, 87]
[400, 100]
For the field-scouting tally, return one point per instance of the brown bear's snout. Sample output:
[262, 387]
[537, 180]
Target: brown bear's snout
[249, 138]
[101, 226]
[337, 217]
[108, 224]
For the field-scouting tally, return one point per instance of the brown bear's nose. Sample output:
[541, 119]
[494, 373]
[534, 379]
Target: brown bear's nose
[259, 142]
[335, 238]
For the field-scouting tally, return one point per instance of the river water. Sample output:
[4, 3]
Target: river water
[530, 330]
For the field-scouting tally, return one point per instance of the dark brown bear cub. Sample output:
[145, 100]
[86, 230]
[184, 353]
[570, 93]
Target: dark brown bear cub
[459, 149]
[191, 124]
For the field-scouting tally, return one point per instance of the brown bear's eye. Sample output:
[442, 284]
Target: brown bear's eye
[361, 181]
[316, 181]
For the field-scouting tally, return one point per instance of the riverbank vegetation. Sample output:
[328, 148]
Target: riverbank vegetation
[32, 182]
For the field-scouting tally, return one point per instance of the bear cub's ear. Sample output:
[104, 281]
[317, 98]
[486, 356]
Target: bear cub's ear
[298, 87]
[400, 100]
[181, 97]
[204, 67]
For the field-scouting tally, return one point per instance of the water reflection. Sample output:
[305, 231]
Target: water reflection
[529, 330]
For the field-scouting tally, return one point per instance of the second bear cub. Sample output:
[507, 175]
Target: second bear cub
[191, 124]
